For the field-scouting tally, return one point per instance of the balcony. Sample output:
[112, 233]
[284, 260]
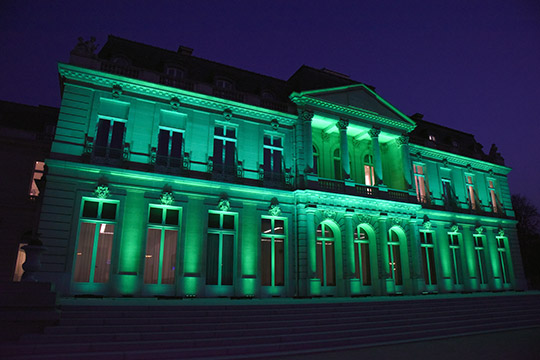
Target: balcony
[274, 105]
[177, 83]
[228, 94]
[123, 70]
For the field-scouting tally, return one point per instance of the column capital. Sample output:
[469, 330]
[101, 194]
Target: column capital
[306, 115]
[374, 132]
[342, 124]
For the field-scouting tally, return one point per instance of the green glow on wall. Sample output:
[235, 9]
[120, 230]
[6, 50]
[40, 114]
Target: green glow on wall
[133, 234]
[193, 244]
[250, 241]
[127, 284]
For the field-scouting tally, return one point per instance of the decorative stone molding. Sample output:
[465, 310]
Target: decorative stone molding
[186, 161]
[454, 228]
[102, 191]
[88, 145]
[329, 214]
[418, 156]
[479, 230]
[227, 114]
[116, 91]
[306, 115]
[325, 136]
[342, 124]
[364, 219]
[395, 221]
[356, 143]
[469, 167]
[166, 197]
[175, 103]
[374, 132]
[403, 140]
[126, 152]
[275, 124]
[224, 204]
[210, 165]
[500, 232]
[274, 209]
[445, 162]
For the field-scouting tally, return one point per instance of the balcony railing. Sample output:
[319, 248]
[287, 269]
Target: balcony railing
[228, 94]
[178, 83]
[274, 105]
[119, 69]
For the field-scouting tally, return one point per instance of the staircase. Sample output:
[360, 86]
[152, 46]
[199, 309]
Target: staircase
[234, 329]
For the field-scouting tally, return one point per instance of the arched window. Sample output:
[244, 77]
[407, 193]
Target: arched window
[369, 172]
[361, 256]
[394, 257]
[224, 84]
[325, 248]
[337, 165]
[316, 165]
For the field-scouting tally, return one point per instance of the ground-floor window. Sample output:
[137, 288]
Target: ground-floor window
[481, 269]
[453, 241]
[428, 257]
[272, 251]
[361, 256]
[394, 258]
[220, 248]
[503, 259]
[325, 249]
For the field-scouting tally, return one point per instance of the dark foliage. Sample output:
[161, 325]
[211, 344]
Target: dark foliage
[529, 238]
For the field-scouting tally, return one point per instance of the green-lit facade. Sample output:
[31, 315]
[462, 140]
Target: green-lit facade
[176, 176]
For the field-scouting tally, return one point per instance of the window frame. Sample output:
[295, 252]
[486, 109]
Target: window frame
[107, 148]
[360, 265]
[428, 263]
[221, 232]
[273, 237]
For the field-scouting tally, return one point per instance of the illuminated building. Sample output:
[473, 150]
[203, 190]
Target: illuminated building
[171, 175]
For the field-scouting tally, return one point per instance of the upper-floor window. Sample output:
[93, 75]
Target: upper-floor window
[432, 138]
[420, 182]
[267, 95]
[273, 238]
[471, 192]
[110, 138]
[273, 155]
[170, 147]
[174, 72]
[121, 60]
[316, 165]
[493, 197]
[369, 171]
[224, 148]
[224, 84]
[39, 168]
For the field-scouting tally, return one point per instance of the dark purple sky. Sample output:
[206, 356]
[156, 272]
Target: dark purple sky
[470, 65]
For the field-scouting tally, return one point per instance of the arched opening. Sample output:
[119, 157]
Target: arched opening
[395, 271]
[325, 255]
[362, 262]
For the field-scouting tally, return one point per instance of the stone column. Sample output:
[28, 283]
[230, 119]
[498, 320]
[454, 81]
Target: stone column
[403, 143]
[374, 133]
[342, 125]
[493, 263]
[416, 270]
[306, 116]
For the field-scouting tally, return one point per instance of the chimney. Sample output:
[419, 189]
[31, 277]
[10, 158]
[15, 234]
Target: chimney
[417, 116]
[184, 50]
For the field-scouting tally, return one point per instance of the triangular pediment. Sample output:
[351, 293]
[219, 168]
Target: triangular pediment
[358, 97]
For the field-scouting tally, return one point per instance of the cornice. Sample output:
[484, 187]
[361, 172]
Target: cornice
[455, 159]
[166, 93]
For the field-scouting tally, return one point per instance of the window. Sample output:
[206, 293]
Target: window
[224, 149]
[338, 171]
[421, 184]
[481, 270]
[96, 234]
[316, 165]
[170, 148]
[272, 251]
[273, 155]
[494, 198]
[161, 245]
[39, 168]
[471, 193]
[361, 256]
[428, 257]
[175, 72]
[224, 84]
[110, 139]
[326, 268]
[503, 259]
[453, 241]
[369, 171]
[447, 191]
[220, 248]
[394, 258]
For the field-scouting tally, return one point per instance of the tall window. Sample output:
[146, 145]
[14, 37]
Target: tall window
[224, 149]
[503, 259]
[337, 165]
[494, 199]
[369, 171]
[481, 270]
[453, 241]
[420, 182]
[361, 256]
[170, 147]
[394, 258]
[175, 72]
[161, 243]
[316, 165]
[471, 194]
[272, 251]
[273, 155]
[96, 234]
[428, 257]
[39, 168]
[220, 248]
[110, 138]
[326, 268]
[447, 191]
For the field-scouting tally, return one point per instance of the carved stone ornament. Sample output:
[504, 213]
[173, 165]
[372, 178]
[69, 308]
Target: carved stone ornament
[166, 198]
[403, 140]
[374, 132]
[85, 47]
[116, 91]
[227, 114]
[330, 214]
[364, 219]
[395, 221]
[418, 156]
[274, 210]
[325, 136]
[306, 115]
[454, 228]
[224, 204]
[445, 162]
[342, 124]
[490, 172]
[427, 225]
[500, 232]
[356, 143]
[175, 103]
[479, 230]
[102, 191]
[469, 167]
[275, 124]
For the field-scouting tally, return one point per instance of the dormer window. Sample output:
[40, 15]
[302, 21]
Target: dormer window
[267, 95]
[224, 84]
[121, 60]
[174, 72]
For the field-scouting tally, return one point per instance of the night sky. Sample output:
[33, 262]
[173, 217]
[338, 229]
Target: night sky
[470, 65]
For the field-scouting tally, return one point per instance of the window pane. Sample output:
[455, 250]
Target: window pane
[108, 211]
[366, 269]
[319, 261]
[90, 209]
[176, 146]
[231, 133]
[276, 161]
[102, 136]
[266, 226]
[279, 227]
[356, 261]
[163, 145]
[171, 217]
[156, 215]
[230, 150]
[227, 260]
[85, 247]
[267, 140]
[266, 262]
[228, 221]
[103, 256]
[330, 264]
[213, 221]
[328, 232]
[432, 270]
[117, 140]
[277, 142]
[169, 257]
[218, 130]
[151, 257]
[397, 264]
[212, 259]
[425, 265]
[267, 162]
[218, 151]
[279, 263]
